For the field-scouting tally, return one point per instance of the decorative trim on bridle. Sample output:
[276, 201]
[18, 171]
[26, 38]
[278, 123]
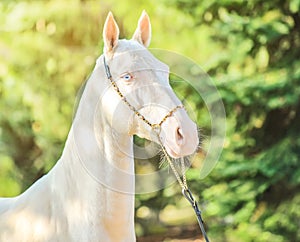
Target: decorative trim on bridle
[156, 128]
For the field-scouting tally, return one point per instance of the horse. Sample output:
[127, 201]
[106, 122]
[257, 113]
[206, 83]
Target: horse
[89, 193]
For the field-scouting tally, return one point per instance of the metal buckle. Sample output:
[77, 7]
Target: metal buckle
[156, 128]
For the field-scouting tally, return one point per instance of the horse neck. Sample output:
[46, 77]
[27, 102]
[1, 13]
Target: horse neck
[96, 166]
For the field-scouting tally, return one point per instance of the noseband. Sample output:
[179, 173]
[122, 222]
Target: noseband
[156, 127]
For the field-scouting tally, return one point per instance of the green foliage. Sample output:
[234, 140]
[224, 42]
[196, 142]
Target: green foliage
[256, 69]
[41, 66]
[251, 49]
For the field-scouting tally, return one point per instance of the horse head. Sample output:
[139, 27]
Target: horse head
[140, 98]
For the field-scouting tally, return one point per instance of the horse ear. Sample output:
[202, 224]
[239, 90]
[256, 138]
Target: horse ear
[143, 31]
[110, 34]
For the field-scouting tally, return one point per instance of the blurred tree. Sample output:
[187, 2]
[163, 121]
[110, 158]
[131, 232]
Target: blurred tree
[42, 64]
[255, 194]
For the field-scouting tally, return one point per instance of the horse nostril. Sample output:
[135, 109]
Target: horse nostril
[179, 136]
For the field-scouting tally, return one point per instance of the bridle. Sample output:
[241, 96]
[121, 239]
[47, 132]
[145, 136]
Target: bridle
[156, 128]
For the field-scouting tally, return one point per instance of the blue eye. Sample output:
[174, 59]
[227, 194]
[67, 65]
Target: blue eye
[126, 77]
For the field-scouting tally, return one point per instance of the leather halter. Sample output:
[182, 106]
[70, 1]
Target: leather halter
[156, 126]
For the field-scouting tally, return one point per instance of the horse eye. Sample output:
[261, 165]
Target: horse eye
[126, 77]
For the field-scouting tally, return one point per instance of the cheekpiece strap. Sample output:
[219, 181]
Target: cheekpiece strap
[107, 70]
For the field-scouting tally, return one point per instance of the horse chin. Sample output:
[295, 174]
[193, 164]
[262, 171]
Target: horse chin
[172, 153]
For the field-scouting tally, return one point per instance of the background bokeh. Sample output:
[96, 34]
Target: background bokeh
[250, 49]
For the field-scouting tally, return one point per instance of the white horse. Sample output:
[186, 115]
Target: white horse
[89, 193]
